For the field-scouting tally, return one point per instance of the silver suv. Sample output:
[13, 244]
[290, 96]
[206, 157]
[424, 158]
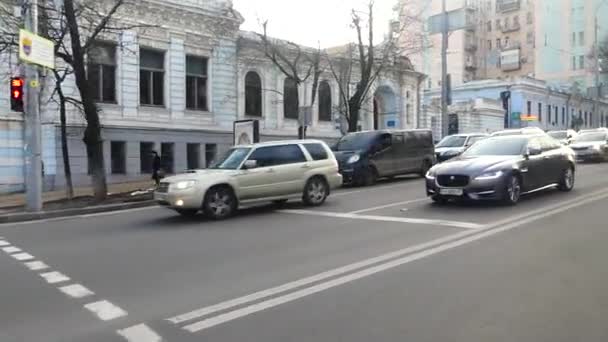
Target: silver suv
[264, 172]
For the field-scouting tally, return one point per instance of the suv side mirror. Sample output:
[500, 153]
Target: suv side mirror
[534, 151]
[250, 164]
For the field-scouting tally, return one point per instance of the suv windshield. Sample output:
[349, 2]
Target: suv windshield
[355, 141]
[585, 137]
[511, 146]
[452, 141]
[558, 135]
[232, 159]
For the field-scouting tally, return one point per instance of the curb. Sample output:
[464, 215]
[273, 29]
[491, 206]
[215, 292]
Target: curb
[23, 217]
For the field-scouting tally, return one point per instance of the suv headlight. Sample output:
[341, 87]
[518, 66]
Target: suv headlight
[353, 159]
[490, 175]
[183, 185]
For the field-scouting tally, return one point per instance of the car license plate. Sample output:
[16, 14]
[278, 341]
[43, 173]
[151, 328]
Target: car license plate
[451, 192]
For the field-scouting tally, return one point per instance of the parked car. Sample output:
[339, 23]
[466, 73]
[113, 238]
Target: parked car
[453, 145]
[565, 136]
[591, 130]
[366, 156]
[591, 146]
[503, 168]
[519, 131]
[264, 172]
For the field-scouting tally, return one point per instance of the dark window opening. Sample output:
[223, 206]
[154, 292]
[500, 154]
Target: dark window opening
[101, 72]
[118, 157]
[290, 99]
[196, 83]
[253, 94]
[210, 153]
[167, 157]
[325, 101]
[151, 77]
[146, 157]
[193, 152]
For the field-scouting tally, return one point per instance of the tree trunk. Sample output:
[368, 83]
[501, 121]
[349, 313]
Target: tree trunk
[92, 136]
[69, 187]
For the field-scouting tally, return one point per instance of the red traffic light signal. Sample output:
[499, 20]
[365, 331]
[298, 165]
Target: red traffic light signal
[17, 94]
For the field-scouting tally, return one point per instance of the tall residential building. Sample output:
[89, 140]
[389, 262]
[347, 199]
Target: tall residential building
[551, 40]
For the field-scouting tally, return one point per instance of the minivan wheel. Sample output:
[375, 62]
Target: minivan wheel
[219, 203]
[370, 177]
[512, 190]
[315, 192]
[566, 182]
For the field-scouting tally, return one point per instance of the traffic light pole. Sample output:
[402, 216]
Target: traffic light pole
[444, 71]
[33, 143]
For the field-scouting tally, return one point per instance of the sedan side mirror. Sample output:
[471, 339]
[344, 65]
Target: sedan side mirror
[250, 164]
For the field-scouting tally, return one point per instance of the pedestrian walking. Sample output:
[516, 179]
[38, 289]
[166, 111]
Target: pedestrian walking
[156, 168]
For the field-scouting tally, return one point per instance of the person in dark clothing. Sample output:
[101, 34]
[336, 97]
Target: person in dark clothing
[156, 168]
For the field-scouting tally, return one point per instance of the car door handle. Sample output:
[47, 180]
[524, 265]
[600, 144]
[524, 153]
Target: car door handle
[306, 166]
[270, 171]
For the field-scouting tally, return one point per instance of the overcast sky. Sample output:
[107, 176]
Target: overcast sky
[310, 22]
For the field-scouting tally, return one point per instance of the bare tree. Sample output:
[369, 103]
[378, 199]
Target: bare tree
[296, 64]
[74, 28]
[360, 64]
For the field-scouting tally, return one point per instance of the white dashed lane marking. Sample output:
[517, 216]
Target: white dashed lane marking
[4, 243]
[11, 249]
[54, 277]
[105, 310]
[76, 291]
[22, 256]
[36, 265]
[139, 333]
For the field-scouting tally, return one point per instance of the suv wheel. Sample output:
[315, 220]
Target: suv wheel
[566, 182]
[315, 191]
[512, 190]
[219, 203]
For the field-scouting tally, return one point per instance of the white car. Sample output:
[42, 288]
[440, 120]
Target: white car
[263, 172]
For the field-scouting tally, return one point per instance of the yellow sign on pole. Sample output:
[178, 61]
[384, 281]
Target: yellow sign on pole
[36, 50]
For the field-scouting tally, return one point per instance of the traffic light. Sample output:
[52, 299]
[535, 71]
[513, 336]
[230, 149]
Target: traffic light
[17, 94]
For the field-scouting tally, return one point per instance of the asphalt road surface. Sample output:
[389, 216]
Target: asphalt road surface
[374, 264]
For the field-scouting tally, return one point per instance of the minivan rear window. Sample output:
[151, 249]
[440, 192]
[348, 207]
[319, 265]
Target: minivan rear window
[316, 151]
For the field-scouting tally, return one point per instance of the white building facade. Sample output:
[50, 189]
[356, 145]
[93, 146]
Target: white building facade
[177, 89]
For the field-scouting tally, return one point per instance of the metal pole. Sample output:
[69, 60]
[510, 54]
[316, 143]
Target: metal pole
[33, 159]
[444, 71]
[597, 70]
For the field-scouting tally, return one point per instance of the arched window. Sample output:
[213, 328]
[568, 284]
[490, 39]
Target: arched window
[253, 94]
[324, 101]
[290, 98]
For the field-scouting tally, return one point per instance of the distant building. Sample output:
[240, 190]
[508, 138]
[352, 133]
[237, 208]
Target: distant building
[532, 103]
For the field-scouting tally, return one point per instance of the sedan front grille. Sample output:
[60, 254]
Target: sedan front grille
[453, 180]
[580, 148]
[163, 187]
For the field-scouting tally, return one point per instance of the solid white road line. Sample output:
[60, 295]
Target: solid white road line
[54, 277]
[76, 291]
[139, 333]
[36, 265]
[455, 224]
[388, 206]
[22, 256]
[4, 243]
[313, 279]
[67, 218]
[11, 249]
[232, 315]
[105, 310]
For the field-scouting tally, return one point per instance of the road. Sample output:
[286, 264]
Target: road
[374, 264]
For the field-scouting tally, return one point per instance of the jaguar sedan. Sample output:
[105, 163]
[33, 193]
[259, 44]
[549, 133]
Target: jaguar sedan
[503, 169]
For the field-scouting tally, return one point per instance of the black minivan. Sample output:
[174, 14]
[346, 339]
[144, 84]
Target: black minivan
[366, 156]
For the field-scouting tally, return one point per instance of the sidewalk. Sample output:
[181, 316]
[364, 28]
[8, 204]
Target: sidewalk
[17, 200]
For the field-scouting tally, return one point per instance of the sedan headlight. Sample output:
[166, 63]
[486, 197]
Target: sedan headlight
[490, 175]
[183, 185]
[353, 159]
[430, 174]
